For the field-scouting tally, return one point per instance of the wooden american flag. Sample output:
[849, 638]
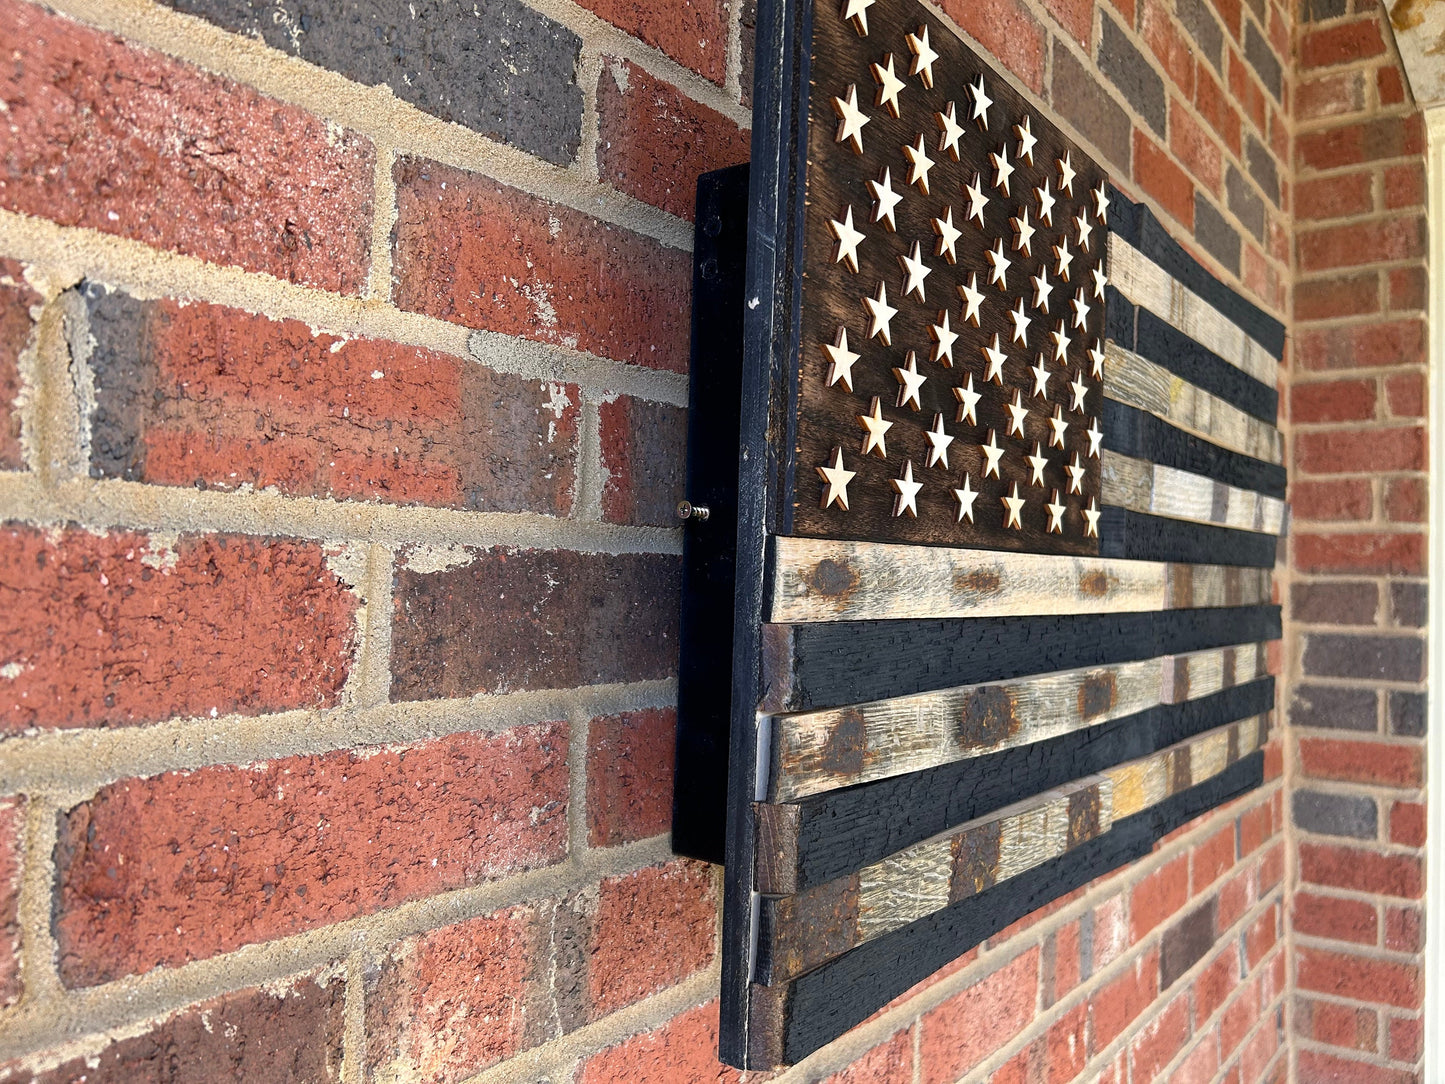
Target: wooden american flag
[1008, 505]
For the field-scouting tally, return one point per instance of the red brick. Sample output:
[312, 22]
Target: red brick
[1407, 823]
[1261, 936]
[1361, 979]
[1329, 95]
[1028, 1066]
[1244, 85]
[1405, 392]
[1161, 178]
[1316, 1065]
[1118, 1003]
[629, 776]
[887, 1063]
[1356, 450]
[1260, 1050]
[1008, 31]
[186, 865]
[123, 628]
[1365, 141]
[196, 394]
[1230, 14]
[1214, 985]
[1341, 43]
[1360, 870]
[1347, 499]
[1156, 1043]
[111, 137]
[1066, 1046]
[1210, 860]
[969, 1026]
[451, 1002]
[1390, 84]
[1338, 1025]
[1254, 829]
[1396, 342]
[1385, 763]
[16, 298]
[652, 929]
[1127, 9]
[1340, 195]
[1405, 187]
[1197, 148]
[1216, 107]
[1239, 1016]
[1168, 43]
[1111, 932]
[477, 253]
[653, 140]
[1408, 286]
[1379, 554]
[692, 32]
[1403, 929]
[1354, 244]
[1343, 295]
[1067, 959]
[1405, 500]
[287, 1033]
[12, 824]
[1406, 1039]
[1334, 917]
[1271, 868]
[1158, 896]
[1333, 400]
[644, 456]
[683, 1049]
[1075, 16]
[1201, 1065]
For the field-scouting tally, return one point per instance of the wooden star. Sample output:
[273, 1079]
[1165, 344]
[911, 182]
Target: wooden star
[972, 299]
[888, 84]
[840, 360]
[884, 200]
[847, 238]
[880, 313]
[1056, 514]
[918, 164]
[1018, 414]
[1095, 435]
[856, 12]
[992, 454]
[1076, 475]
[1058, 427]
[909, 382]
[981, 102]
[1061, 342]
[999, 265]
[966, 496]
[1041, 379]
[1062, 259]
[1096, 361]
[1046, 203]
[977, 200]
[948, 235]
[850, 120]
[1101, 202]
[1100, 281]
[914, 271]
[967, 402]
[1085, 229]
[1091, 519]
[1042, 289]
[1002, 169]
[1037, 462]
[1066, 173]
[1081, 310]
[875, 430]
[837, 480]
[1023, 232]
[1013, 507]
[943, 338]
[923, 56]
[1027, 139]
[1021, 323]
[995, 358]
[938, 442]
[950, 132]
[1080, 389]
[907, 490]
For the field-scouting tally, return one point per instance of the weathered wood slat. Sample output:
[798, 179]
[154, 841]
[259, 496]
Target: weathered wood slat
[791, 1020]
[1133, 432]
[1142, 486]
[1135, 536]
[829, 835]
[824, 580]
[829, 664]
[1146, 283]
[841, 747]
[803, 931]
[1138, 382]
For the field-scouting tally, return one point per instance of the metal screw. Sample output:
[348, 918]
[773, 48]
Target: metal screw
[688, 510]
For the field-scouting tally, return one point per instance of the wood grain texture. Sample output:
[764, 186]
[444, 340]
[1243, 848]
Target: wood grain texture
[807, 929]
[795, 1018]
[1149, 285]
[1136, 381]
[1157, 490]
[1136, 536]
[819, 751]
[1137, 433]
[822, 580]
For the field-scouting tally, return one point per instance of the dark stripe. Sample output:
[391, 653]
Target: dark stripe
[823, 1004]
[1130, 431]
[831, 664]
[1136, 224]
[1167, 346]
[1126, 533]
[845, 830]
[1119, 316]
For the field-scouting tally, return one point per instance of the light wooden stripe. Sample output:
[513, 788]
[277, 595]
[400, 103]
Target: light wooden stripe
[1136, 381]
[833, 580]
[1145, 283]
[819, 923]
[819, 751]
[1167, 491]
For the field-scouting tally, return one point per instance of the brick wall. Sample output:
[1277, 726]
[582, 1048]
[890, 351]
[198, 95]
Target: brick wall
[1358, 599]
[342, 357]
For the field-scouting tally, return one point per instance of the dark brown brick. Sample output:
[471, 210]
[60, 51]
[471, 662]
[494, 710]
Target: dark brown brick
[1385, 658]
[1334, 603]
[1261, 164]
[1405, 714]
[1203, 27]
[644, 457]
[1244, 202]
[1130, 71]
[1262, 59]
[534, 619]
[1080, 98]
[1185, 943]
[1217, 236]
[1335, 708]
[15, 323]
[1335, 814]
[1409, 605]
